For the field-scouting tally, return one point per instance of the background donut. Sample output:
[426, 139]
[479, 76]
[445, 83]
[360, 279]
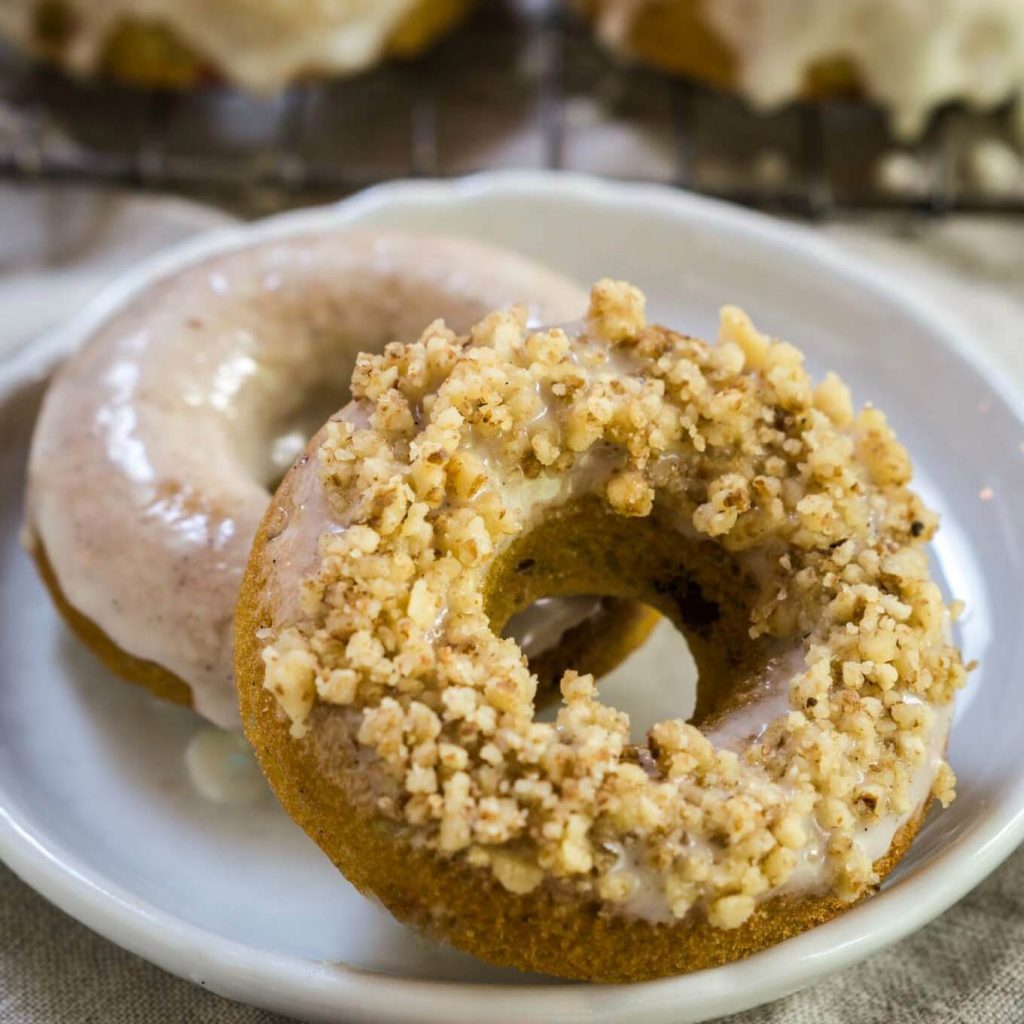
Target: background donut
[263, 46]
[141, 534]
[679, 36]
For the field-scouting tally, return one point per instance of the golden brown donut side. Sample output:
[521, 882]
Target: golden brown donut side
[451, 900]
[147, 674]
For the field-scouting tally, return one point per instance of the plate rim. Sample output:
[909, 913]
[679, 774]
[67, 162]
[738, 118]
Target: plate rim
[292, 984]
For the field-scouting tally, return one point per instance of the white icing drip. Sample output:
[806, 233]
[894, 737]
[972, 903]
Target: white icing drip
[155, 444]
[647, 898]
[768, 702]
[261, 44]
[223, 769]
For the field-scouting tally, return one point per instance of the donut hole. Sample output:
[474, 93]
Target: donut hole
[583, 549]
[592, 633]
[643, 664]
[271, 453]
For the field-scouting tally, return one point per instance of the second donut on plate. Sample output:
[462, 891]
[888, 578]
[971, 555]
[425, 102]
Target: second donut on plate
[159, 442]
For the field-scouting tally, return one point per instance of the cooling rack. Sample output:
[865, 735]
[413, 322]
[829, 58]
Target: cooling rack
[521, 85]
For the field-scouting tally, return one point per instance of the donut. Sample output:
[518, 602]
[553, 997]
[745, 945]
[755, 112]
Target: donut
[775, 51]
[471, 476]
[256, 44]
[160, 441]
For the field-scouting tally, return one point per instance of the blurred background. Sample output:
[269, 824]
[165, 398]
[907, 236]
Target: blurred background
[535, 84]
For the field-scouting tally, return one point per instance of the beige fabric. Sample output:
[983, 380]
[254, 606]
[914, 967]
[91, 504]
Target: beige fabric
[966, 967]
[55, 971]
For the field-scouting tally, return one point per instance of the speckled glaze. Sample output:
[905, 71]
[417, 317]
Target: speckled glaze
[158, 442]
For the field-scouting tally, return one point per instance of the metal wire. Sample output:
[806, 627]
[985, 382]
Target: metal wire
[520, 85]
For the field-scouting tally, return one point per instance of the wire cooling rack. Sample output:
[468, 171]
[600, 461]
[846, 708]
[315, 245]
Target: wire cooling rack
[521, 85]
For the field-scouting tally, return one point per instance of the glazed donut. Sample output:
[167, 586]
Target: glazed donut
[259, 44]
[470, 477]
[775, 51]
[159, 442]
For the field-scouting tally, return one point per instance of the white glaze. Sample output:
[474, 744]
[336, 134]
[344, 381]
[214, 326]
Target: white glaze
[222, 767]
[876, 839]
[768, 701]
[307, 514]
[261, 44]
[156, 443]
[901, 173]
[910, 55]
[772, 701]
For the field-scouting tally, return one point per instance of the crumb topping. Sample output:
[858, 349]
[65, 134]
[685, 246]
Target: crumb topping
[455, 445]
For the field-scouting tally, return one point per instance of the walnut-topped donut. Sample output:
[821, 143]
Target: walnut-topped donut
[471, 476]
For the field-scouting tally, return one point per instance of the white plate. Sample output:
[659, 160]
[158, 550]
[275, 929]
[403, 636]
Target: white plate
[97, 813]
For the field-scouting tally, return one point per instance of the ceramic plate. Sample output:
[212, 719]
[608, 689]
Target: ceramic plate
[96, 808]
